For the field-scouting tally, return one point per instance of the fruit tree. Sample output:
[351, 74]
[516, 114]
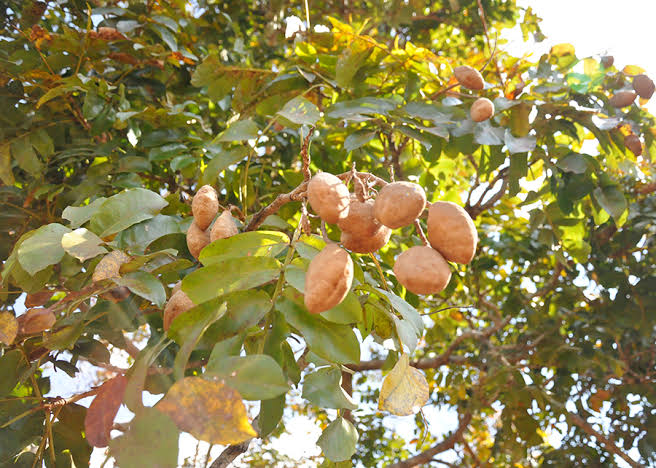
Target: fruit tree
[363, 212]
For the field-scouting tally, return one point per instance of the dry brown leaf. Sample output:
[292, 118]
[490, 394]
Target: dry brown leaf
[102, 411]
[404, 390]
[208, 410]
[110, 266]
[8, 327]
[36, 321]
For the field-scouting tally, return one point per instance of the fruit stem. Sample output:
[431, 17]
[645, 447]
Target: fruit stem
[420, 233]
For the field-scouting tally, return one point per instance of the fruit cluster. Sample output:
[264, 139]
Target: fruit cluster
[366, 225]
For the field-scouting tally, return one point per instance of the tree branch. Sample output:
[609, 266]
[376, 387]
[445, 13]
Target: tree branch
[282, 199]
[230, 453]
[425, 457]
[602, 439]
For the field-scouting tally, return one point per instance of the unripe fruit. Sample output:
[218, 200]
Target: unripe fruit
[328, 197]
[328, 279]
[469, 77]
[451, 232]
[205, 206]
[365, 245]
[360, 220]
[422, 270]
[622, 99]
[197, 239]
[481, 110]
[398, 204]
[224, 227]
[634, 144]
[644, 86]
[179, 303]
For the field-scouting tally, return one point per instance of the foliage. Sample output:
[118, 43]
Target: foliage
[117, 112]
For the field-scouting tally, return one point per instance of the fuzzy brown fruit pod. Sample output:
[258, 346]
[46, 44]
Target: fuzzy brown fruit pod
[179, 303]
[644, 86]
[224, 227]
[328, 279]
[622, 99]
[481, 110]
[398, 204]
[469, 77]
[363, 245]
[422, 270]
[205, 206]
[634, 144]
[451, 232]
[607, 61]
[197, 239]
[360, 220]
[328, 197]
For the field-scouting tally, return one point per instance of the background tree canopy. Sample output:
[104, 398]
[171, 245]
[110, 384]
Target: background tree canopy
[114, 113]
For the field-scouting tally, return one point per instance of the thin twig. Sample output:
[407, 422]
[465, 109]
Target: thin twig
[305, 156]
[420, 233]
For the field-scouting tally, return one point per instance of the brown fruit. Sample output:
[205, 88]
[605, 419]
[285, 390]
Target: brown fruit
[644, 86]
[481, 110]
[197, 239]
[398, 204]
[622, 99]
[179, 303]
[360, 220]
[634, 144]
[607, 61]
[422, 270]
[451, 232]
[38, 299]
[35, 321]
[328, 197]
[365, 245]
[205, 206]
[224, 227]
[469, 77]
[328, 279]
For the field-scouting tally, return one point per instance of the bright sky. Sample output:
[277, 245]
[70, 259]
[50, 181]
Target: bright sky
[623, 29]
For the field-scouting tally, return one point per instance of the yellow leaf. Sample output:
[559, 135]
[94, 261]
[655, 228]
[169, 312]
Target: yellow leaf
[404, 389]
[633, 70]
[8, 327]
[110, 266]
[562, 49]
[208, 410]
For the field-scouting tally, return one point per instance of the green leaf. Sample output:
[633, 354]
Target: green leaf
[139, 236]
[336, 343]
[25, 156]
[573, 162]
[271, 412]
[125, 209]
[612, 200]
[338, 440]
[245, 310]
[486, 134]
[78, 215]
[138, 372]
[43, 143]
[357, 139]
[228, 347]
[22, 432]
[234, 274]
[72, 83]
[323, 388]
[43, 248]
[221, 160]
[145, 285]
[408, 312]
[64, 338]
[6, 174]
[360, 109]
[519, 145]
[255, 377]
[300, 111]
[239, 131]
[82, 244]
[12, 365]
[188, 328]
[350, 61]
[246, 244]
[136, 447]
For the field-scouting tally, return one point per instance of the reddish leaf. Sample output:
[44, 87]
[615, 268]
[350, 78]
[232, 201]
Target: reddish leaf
[100, 416]
[36, 321]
